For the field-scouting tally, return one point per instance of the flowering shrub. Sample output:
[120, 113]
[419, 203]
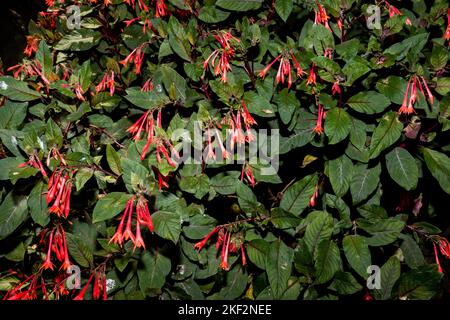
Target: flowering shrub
[101, 199]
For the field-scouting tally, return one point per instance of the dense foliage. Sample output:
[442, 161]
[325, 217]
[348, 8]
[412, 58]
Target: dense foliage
[90, 145]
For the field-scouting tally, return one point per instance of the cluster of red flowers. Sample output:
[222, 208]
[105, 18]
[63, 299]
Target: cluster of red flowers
[59, 190]
[160, 10]
[227, 52]
[142, 218]
[410, 96]
[28, 288]
[228, 243]
[444, 248]
[284, 68]
[321, 16]
[58, 245]
[32, 45]
[146, 123]
[107, 82]
[99, 289]
[137, 57]
[393, 11]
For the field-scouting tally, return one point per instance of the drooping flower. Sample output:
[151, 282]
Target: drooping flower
[137, 57]
[312, 76]
[142, 218]
[148, 86]
[335, 89]
[437, 258]
[59, 190]
[48, 262]
[107, 82]
[284, 68]
[247, 170]
[312, 200]
[444, 247]
[225, 251]
[80, 296]
[321, 115]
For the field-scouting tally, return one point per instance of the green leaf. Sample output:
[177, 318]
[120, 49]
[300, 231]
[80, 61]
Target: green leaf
[78, 40]
[383, 231]
[79, 250]
[17, 90]
[368, 102]
[146, 100]
[411, 252]
[328, 261]
[439, 166]
[337, 125]
[167, 225]
[344, 283]
[282, 219]
[284, 8]
[38, 205]
[153, 272]
[12, 115]
[109, 206]
[296, 198]
[364, 182]
[211, 14]
[390, 272]
[170, 79]
[340, 171]
[44, 57]
[413, 44]
[236, 282]
[318, 230]
[393, 87]
[402, 168]
[13, 212]
[357, 253]
[422, 283]
[257, 250]
[442, 85]
[239, 5]
[278, 267]
[83, 175]
[113, 159]
[385, 134]
[53, 134]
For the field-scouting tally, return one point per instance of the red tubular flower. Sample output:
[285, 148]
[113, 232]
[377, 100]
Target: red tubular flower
[66, 264]
[80, 295]
[48, 263]
[128, 234]
[36, 163]
[244, 259]
[142, 5]
[201, 244]
[312, 76]
[447, 31]
[404, 107]
[429, 94]
[263, 72]
[59, 186]
[312, 201]
[131, 21]
[143, 213]
[225, 250]
[321, 16]
[319, 128]
[413, 96]
[437, 258]
[226, 54]
[248, 174]
[118, 236]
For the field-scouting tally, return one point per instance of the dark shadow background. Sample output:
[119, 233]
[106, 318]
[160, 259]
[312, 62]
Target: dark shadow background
[14, 18]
